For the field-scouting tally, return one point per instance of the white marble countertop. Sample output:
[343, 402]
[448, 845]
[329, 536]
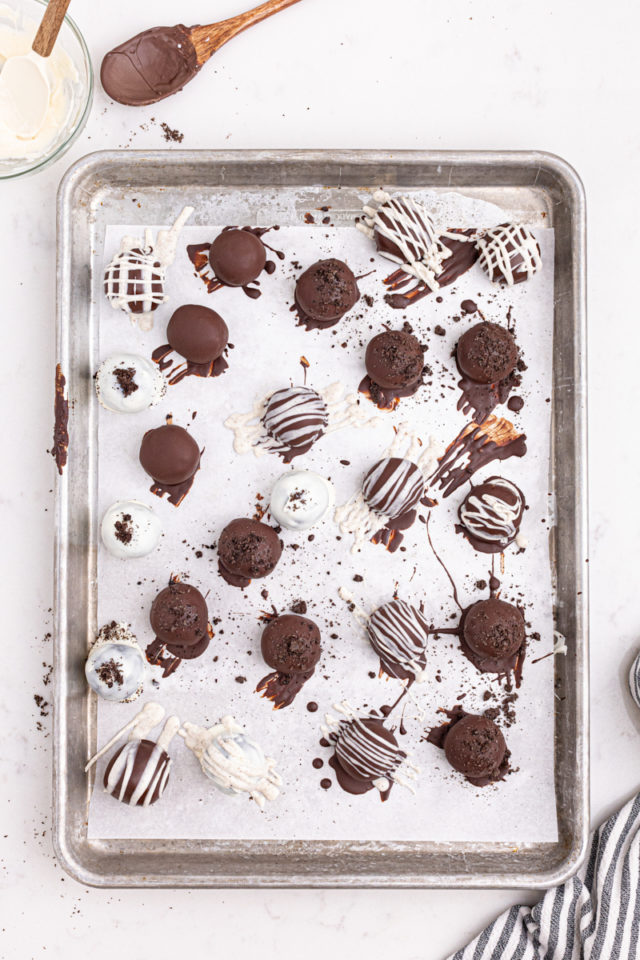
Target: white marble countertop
[327, 73]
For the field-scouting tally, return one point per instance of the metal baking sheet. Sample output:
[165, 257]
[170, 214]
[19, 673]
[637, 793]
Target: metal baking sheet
[98, 190]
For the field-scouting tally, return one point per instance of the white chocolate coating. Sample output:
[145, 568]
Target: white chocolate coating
[116, 646]
[143, 524]
[499, 246]
[148, 378]
[301, 499]
[232, 760]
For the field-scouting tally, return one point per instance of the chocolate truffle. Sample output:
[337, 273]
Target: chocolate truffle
[366, 755]
[169, 454]
[295, 417]
[487, 353]
[291, 644]
[393, 487]
[326, 291]
[494, 629]
[115, 668]
[509, 253]
[237, 257]
[404, 230]
[134, 281]
[128, 383]
[197, 333]
[179, 616]
[394, 359]
[130, 529]
[247, 550]
[300, 499]
[475, 747]
[491, 513]
[398, 633]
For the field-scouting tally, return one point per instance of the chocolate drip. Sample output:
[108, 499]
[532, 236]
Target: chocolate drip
[187, 368]
[282, 688]
[198, 254]
[387, 398]
[463, 255]
[481, 399]
[60, 448]
[475, 447]
[176, 492]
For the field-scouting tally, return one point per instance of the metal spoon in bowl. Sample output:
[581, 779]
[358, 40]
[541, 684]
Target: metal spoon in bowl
[24, 86]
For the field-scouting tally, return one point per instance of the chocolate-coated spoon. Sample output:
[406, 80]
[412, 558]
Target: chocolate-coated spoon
[158, 62]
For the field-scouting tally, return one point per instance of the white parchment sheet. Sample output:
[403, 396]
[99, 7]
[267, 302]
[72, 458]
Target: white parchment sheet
[267, 347]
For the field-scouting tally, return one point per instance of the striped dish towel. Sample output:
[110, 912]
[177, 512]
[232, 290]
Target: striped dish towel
[595, 915]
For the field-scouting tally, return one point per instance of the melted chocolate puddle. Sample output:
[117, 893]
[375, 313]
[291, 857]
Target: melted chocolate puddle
[481, 399]
[463, 255]
[170, 656]
[186, 368]
[387, 398]
[198, 254]
[282, 688]
[390, 536]
[60, 448]
[176, 492]
[474, 447]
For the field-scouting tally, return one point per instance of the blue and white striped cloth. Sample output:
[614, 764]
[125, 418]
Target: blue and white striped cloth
[595, 915]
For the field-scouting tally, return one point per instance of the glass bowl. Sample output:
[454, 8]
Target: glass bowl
[24, 16]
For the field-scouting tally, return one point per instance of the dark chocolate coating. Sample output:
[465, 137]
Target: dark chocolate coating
[237, 257]
[291, 644]
[179, 615]
[327, 290]
[169, 454]
[197, 333]
[475, 747]
[249, 549]
[487, 353]
[394, 359]
[494, 629]
[150, 66]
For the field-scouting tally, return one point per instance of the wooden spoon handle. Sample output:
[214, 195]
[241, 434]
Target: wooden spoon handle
[210, 37]
[50, 27]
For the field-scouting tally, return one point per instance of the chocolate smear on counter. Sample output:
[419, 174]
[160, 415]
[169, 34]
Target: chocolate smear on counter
[198, 254]
[60, 448]
[150, 66]
[186, 368]
[475, 447]
[463, 255]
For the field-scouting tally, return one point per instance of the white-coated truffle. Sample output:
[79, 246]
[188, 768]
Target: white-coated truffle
[634, 680]
[301, 499]
[116, 667]
[130, 529]
[232, 760]
[128, 383]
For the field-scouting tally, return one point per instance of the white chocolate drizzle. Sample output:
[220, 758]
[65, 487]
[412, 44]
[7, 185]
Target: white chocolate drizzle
[138, 728]
[491, 518]
[234, 762]
[508, 249]
[151, 261]
[151, 780]
[398, 633]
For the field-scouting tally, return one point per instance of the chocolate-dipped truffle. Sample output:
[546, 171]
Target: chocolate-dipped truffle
[291, 644]
[300, 499]
[393, 487]
[491, 514]
[493, 629]
[398, 633]
[487, 353]
[326, 291]
[509, 253]
[394, 359]
[169, 454]
[476, 748]
[197, 333]
[296, 417]
[237, 257]
[234, 762]
[130, 529]
[247, 550]
[403, 231]
[634, 680]
[179, 616]
[366, 755]
[115, 668]
[128, 383]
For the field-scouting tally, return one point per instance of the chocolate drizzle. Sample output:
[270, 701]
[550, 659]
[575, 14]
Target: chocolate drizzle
[186, 368]
[60, 448]
[474, 447]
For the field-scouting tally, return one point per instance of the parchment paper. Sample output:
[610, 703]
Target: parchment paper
[266, 355]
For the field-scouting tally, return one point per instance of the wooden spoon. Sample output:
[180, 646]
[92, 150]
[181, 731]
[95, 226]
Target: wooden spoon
[159, 62]
[24, 84]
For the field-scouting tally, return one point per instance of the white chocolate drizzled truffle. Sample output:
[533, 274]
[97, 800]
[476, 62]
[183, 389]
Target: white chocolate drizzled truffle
[509, 253]
[128, 383]
[301, 499]
[634, 680]
[232, 760]
[130, 529]
[116, 668]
